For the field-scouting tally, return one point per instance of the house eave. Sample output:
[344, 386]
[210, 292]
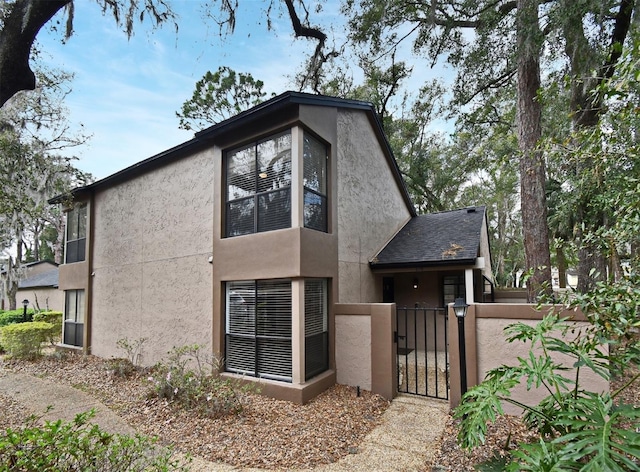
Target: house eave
[281, 103]
[419, 264]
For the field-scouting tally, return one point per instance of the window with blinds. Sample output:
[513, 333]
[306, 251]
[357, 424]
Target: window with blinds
[258, 180]
[315, 184]
[76, 234]
[73, 328]
[316, 327]
[258, 328]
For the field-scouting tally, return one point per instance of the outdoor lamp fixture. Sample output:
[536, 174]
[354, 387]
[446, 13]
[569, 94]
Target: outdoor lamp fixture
[25, 304]
[460, 309]
[415, 283]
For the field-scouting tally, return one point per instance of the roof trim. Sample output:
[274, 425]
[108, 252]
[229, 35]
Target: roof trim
[202, 138]
[418, 264]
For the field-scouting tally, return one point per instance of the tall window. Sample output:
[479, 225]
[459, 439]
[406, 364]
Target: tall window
[76, 234]
[259, 186]
[315, 327]
[315, 184]
[258, 328]
[73, 329]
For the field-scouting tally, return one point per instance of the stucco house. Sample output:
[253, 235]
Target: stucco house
[39, 285]
[245, 238]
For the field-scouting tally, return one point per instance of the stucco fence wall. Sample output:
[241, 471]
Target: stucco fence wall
[364, 346]
[47, 298]
[487, 348]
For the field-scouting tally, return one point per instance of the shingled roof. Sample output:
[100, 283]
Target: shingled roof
[450, 237]
[45, 279]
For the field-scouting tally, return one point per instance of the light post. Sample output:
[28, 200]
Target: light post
[25, 304]
[460, 309]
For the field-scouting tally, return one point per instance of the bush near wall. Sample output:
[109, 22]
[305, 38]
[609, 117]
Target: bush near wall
[78, 445]
[15, 316]
[25, 339]
[55, 319]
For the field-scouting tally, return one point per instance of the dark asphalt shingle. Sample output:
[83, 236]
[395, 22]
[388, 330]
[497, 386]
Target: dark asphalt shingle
[45, 279]
[435, 239]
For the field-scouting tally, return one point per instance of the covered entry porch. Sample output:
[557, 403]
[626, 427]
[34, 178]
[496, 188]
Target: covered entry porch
[431, 262]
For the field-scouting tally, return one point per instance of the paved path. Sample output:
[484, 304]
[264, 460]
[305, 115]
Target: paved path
[405, 440]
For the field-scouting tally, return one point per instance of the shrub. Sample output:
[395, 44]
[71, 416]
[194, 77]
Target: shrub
[25, 339]
[76, 445]
[55, 319]
[191, 378]
[579, 430]
[13, 316]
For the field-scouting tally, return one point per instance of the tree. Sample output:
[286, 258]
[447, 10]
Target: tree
[532, 166]
[218, 96]
[491, 43]
[34, 130]
[23, 19]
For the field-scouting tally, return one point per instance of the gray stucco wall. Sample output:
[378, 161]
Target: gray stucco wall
[151, 276]
[370, 206]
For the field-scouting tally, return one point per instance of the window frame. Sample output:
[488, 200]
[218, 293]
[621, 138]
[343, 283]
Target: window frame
[262, 333]
[260, 196]
[75, 247]
[316, 343]
[74, 314]
[308, 139]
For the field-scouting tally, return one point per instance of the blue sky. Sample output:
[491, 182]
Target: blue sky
[126, 91]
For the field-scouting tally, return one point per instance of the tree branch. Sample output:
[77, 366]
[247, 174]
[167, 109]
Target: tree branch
[17, 35]
[319, 58]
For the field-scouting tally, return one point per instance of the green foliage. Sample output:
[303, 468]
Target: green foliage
[25, 339]
[54, 318]
[579, 430]
[190, 377]
[218, 96]
[77, 445]
[14, 316]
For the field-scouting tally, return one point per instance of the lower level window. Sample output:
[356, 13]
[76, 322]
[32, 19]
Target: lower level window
[258, 328]
[73, 329]
[315, 327]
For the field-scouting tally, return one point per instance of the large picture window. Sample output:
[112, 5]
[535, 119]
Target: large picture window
[258, 328]
[258, 180]
[76, 234]
[73, 329]
[315, 327]
[315, 184]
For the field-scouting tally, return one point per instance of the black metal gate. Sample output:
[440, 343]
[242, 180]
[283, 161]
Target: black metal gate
[422, 358]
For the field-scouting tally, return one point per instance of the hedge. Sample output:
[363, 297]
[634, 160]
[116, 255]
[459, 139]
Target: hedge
[25, 339]
[15, 316]
[55, 319]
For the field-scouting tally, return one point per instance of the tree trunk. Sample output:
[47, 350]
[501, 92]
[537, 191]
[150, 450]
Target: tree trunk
[21, 24]
[532, 167]
[562, 267]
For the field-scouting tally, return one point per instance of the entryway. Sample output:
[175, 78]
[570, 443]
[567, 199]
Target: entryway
[422, 357]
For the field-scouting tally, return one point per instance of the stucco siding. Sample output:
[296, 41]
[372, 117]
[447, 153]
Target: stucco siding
[151, 275]
[371, 208]
[493, 351]
[42, 298]
[353, 350]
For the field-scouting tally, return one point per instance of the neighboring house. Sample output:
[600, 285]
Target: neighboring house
[244, 238]
[40, 287]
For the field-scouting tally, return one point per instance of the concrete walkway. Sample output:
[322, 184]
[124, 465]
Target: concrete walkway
[406, 439]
